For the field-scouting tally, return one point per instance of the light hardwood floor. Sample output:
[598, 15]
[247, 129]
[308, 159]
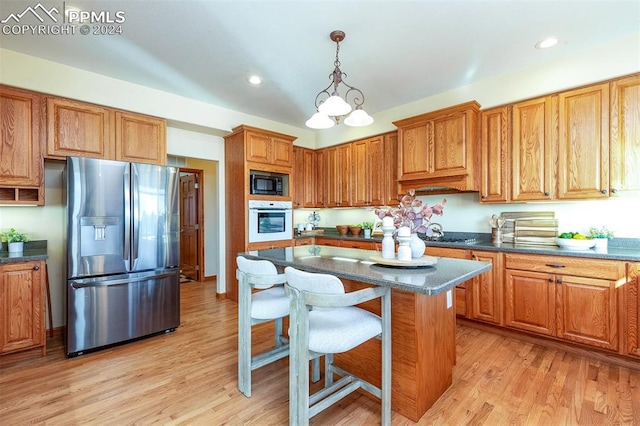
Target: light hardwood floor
[189, 377]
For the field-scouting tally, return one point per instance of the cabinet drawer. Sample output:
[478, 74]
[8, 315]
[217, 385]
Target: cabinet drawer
[576, 266]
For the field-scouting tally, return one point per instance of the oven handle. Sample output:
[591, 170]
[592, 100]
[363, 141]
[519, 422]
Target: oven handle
[270, 210]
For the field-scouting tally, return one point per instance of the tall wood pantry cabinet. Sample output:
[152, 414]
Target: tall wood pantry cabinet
[21, 163]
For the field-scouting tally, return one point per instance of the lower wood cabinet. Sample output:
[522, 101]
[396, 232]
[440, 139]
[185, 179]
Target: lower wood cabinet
[22, 306]
[268, 245]
[633, 310]
[486, 289]
[358, 244]
[463, 291]
[580, 304]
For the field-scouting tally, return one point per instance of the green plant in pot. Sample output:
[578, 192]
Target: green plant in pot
[601, 236]
[368, 228]
[14, 239]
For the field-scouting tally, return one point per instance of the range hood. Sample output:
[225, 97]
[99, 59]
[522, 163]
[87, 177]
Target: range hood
[441, 185]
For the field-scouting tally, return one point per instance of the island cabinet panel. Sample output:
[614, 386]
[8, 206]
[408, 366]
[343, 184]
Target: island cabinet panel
[624, 138]
[486, 289]
[495, 155]
[423, 350]
[462, 294]
[21, 164]
[533, 149]
[22, 309]
[632, 303]
[440, 148]
[140, 138]
[79, 129]
[583, 143]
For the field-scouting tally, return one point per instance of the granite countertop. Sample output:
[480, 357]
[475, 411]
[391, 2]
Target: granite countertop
[624, 249]
[33, 250]
[354, 264]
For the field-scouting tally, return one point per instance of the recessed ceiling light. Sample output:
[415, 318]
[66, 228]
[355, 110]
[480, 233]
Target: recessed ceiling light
[546, 43]
[254, 79]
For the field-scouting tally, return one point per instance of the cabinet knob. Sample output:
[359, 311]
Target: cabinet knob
[614, 191]
[559, 280]
[604, 191]
[36, 268]
[546, 194]
[484, 197]
[550, 279]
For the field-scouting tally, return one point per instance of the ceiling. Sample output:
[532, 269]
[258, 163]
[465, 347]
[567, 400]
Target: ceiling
[395, 51]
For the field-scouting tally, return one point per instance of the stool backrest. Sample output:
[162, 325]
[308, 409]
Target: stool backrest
[257, 267]
[313, 283]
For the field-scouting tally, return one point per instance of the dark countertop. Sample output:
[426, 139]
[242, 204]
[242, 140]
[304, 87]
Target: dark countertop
[354, 264]
[624, 249]
[33, 250]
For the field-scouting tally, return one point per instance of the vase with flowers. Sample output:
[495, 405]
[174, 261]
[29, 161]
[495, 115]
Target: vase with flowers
[412, 213]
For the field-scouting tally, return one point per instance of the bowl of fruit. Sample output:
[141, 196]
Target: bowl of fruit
[574, 241]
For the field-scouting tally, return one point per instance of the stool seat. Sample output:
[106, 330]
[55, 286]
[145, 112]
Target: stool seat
[269, 304]
[341, 329]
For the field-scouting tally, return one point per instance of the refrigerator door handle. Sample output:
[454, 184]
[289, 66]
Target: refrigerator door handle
[127, 217]
[135, 184]
[105, 283]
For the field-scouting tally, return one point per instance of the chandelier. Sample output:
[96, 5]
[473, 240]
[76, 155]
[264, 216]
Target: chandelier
[332, 109]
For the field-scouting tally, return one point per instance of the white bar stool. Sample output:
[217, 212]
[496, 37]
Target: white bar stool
[325, 321]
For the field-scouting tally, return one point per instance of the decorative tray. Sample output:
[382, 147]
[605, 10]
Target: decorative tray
[413, 263]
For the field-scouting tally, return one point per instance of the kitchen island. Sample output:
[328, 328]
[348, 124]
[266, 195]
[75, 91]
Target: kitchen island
[422, 317]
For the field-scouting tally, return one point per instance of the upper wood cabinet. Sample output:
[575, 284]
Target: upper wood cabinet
[367, 179]
[583, 143]
[339, 169]
[624, 150]
[303, 177]
[21, 164]
[269, 147]
[390, 167]
[80, 129]
[440, 148]
[140, 138]
[533, 153]
[320, 197]
[22, 309]
[495, 157]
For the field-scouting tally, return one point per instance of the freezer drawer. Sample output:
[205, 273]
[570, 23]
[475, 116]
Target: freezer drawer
[108, 310]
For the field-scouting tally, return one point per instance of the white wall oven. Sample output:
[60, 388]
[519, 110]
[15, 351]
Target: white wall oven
[270, 220]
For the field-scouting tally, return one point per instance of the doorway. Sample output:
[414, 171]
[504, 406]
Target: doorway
[191, 224]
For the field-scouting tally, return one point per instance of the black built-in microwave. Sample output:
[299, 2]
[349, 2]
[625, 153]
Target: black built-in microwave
[266, 185]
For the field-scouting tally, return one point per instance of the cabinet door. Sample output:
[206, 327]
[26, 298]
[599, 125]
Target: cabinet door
[533, 149]
[633, 310]
[258, 147]
[624, 149]
[495, 162]
[364, 245]
[390, 167]
[320, 188]
[345, 170]
[587, 311]
[78, 129]
[22, 311]
[376, 170]
[451, 148]
[281, 151]
[413, 151]
[332, 177]
[361, 178]
[583, 144]
[486, 289]
[334, 242]
[530, 301]
[298, 177]
[140, 138]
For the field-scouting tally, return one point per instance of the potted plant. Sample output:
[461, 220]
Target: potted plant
[368, 228]
[601, 236]
[14, 239]
[355, 229]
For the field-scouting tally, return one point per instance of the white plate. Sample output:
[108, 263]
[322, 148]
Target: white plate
[572, 244]
[413, 263]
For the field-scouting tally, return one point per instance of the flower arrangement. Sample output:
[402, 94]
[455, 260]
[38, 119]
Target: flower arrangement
[412, 213]
[602, 232]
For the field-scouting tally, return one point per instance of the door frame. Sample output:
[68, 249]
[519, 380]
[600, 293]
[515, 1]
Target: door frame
[200, 215]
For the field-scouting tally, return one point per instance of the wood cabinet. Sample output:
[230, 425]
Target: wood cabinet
[21, 164]
[624, 136]
[304, 241]
[333, 242]
[81, 129]
[440, 148]
[571, 298]
[632, 318]
[320, 190]
[348, 243]
[22, 307]
[390, 168]
[533, 153]
[265, 246]
[303, 177]
[339, 167]
[462, 291]
[368, 179]
[269, 147]
[583, 143]
[140, 138]
[495, 155]
[486, 289]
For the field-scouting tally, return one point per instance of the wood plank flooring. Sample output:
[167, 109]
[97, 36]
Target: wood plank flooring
[189, 377]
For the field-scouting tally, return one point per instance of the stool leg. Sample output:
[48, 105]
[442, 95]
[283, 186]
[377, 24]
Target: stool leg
[315, 363]
[386, 358]
[244, 338]
[278, 332]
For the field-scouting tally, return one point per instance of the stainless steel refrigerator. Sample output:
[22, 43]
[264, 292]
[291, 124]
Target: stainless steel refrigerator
[123, 275]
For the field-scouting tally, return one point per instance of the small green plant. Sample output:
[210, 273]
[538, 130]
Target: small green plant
[601, 232]
[367, 225]
[357, 225]
[13, 236]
